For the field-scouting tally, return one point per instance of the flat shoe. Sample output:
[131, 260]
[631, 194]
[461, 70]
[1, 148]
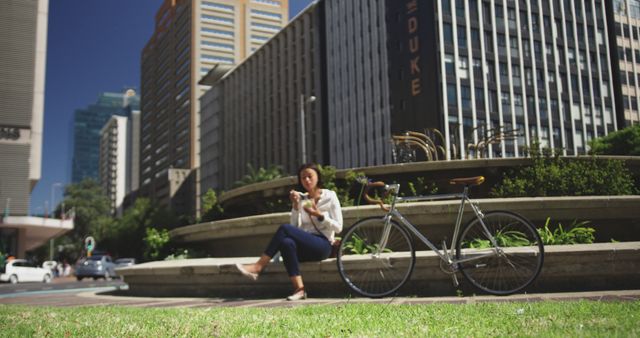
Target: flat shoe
[244, 272]
[298, 296]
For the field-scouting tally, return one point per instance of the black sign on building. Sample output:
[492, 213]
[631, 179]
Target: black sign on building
[414, 83]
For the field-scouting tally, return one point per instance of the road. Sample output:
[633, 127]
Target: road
[58, 284]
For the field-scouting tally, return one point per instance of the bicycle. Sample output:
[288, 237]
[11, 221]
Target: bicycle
[499, 252]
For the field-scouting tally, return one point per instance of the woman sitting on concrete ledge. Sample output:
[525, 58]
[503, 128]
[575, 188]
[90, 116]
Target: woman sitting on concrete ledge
[316, 217]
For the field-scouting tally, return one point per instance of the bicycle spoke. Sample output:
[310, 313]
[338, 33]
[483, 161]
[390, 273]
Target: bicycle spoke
[381, 275]
[519, 258]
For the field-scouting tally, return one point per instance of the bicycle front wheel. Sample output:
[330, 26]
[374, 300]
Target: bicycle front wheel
[508, 267]
[365, 269]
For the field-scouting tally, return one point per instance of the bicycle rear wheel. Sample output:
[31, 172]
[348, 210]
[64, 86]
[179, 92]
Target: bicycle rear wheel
[370, 275]
[514, 264]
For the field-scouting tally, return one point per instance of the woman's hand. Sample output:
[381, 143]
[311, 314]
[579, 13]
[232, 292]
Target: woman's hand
[294, 196]
[311, 208]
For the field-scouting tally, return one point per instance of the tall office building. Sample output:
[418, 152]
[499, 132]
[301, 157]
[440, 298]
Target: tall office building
[87, 124]
[484, 79]
[119, 156]
[626, 39]
[23, 37]
[190, 39]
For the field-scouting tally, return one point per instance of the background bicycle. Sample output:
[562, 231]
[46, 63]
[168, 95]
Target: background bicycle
[499, 252]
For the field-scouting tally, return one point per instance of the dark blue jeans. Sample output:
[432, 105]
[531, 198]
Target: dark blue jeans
[296, 245]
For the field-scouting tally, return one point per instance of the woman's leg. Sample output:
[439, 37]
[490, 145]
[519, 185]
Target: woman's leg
[301, 246]
[272, 248]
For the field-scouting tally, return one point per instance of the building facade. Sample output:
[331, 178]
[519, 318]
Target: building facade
[481, 79]
[626, 66]
[23, 37]
[190, 39]
[87, 124]
[119, 156]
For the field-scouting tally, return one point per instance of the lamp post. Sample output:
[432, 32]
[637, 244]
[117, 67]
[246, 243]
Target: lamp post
[53, 204]
[53, 215]
[303, 102]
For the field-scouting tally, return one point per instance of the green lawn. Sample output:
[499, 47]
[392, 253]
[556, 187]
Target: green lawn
[561, 319]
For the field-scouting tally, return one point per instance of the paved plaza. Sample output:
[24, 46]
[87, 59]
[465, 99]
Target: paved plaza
[111, 296]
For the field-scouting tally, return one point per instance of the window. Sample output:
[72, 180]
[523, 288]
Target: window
[490, 72]
[506, 103]
[515, 76]
[475, 38]
[499, 17]
[486, 12]
[488, 42]
[504, 73]
[512, 18]
[473, 9]
[513, 44]
[462, 37]
[493, 101]
[451, 95]
[446, 7]
[463, 68]
[517, 103]
[477, 69]
[448, 64]
[460, 8]
[465, 95]
[537, 49]
[543, 109]
[502, 44]
[271, 15]
[480, 98]
[448, 33]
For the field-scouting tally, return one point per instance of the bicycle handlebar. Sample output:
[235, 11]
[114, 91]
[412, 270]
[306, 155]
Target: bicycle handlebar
[371, 200]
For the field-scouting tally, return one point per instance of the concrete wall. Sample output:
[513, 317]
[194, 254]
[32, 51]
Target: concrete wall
[616, 217]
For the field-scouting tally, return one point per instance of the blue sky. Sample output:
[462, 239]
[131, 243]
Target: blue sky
[93, 46]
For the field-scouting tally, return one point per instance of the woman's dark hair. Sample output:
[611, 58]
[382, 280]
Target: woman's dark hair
[313, 167]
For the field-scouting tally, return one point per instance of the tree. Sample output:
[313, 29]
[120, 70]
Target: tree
[621, 142]
[92, 213]
[127, 236]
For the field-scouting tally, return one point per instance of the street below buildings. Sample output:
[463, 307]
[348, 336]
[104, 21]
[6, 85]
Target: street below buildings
[113, 293]
[63, 284]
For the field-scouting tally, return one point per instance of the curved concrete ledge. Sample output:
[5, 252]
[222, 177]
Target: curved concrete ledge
[487, 167]
[615, 217]
[603, 266]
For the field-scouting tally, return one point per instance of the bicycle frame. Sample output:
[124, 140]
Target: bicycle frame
[444, 255]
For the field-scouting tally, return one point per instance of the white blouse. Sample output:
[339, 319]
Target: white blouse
[329, 206]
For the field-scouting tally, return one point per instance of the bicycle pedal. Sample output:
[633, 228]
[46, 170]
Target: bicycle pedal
[455, 280]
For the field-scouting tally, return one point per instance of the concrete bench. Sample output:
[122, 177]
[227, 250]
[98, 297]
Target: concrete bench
[603, 266]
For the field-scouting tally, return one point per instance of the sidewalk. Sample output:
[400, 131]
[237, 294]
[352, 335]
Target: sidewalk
[108, 297]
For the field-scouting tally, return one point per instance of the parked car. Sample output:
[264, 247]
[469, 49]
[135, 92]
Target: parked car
[21, 270]
[51, 266]
[96, 266]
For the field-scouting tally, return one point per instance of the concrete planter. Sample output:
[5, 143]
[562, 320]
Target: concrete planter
[616, 217]
[604, 266]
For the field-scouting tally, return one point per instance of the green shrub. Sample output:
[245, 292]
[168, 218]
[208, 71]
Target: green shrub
[576, 233]
[155, 242]
[622, 142]
[554, 176]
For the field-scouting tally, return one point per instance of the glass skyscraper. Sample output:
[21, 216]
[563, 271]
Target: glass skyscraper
[87, 124]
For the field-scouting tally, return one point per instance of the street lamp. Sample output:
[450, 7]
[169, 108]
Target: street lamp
[53, 204]
[303, 102]
[53, 215]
